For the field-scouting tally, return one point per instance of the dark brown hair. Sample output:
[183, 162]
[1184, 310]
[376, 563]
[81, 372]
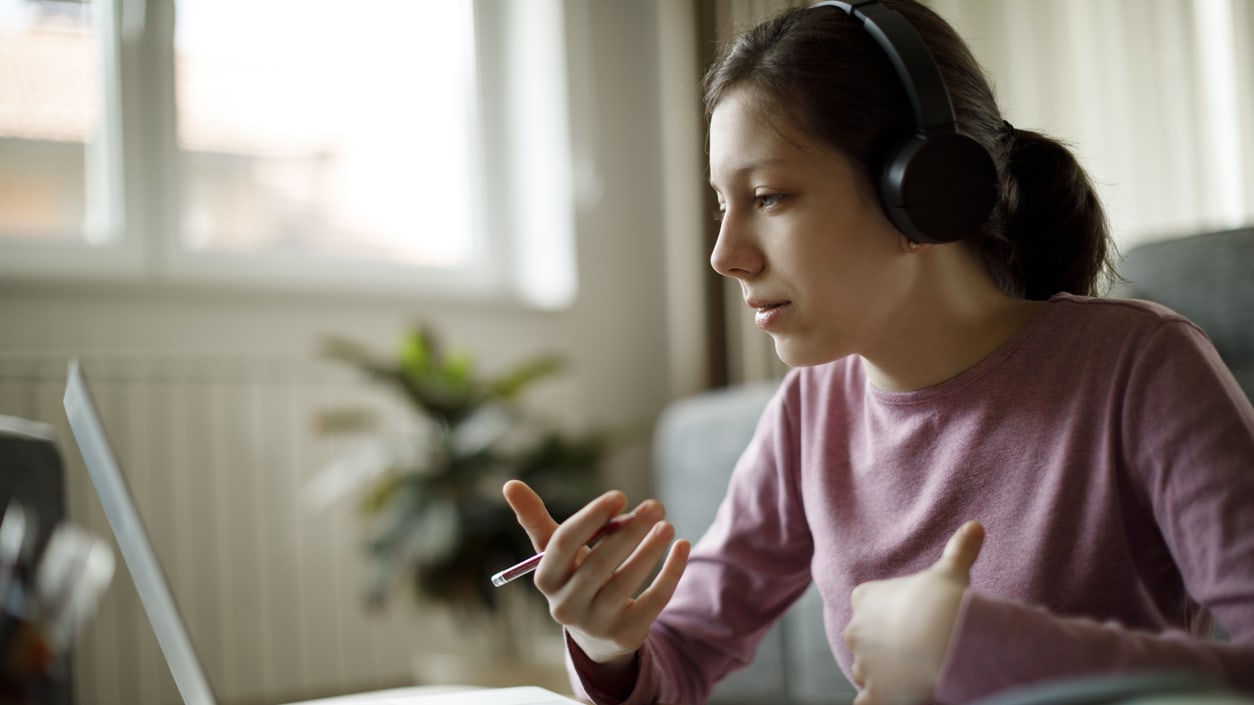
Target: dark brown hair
[821, 71]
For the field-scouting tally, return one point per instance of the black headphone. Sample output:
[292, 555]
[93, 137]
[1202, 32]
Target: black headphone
[938, 185]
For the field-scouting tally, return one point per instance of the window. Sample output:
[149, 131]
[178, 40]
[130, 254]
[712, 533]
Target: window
[51, 122]
[365, 146]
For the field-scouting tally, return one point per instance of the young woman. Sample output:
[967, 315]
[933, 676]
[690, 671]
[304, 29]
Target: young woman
[993, 477]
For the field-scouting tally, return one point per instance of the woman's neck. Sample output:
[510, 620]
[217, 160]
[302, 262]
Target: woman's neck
[955, 317]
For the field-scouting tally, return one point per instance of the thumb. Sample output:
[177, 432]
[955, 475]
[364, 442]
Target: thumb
[532, 515]
[962, 550]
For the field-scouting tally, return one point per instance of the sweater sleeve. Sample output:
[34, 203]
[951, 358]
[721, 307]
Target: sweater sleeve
[744, 573]
[1188, 448]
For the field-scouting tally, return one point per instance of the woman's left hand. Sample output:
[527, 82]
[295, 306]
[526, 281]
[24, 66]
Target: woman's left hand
[900, 629]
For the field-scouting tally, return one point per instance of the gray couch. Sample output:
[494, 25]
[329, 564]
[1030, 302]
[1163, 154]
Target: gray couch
[1208, 277]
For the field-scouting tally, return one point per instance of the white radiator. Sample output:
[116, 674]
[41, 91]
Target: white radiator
[217, 450]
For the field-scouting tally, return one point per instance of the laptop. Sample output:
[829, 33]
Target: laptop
[154, 590]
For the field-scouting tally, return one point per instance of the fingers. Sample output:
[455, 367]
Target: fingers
[899, 629]
[857, 594]
[600, 590]
[626, 573]
[590, 590]
[652, 600]
[962, 550]
[855, 673]
[567, 544]
[531, 512]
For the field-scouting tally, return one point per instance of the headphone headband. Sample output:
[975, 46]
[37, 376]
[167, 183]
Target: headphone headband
[929, 98]
[938, 185]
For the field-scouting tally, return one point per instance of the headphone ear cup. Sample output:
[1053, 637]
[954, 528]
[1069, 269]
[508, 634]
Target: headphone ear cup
[940, 188]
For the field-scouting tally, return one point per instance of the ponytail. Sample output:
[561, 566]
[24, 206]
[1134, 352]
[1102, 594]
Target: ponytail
[1053, 235]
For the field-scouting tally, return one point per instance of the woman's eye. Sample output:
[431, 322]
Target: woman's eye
[761, 201]
[769, 200]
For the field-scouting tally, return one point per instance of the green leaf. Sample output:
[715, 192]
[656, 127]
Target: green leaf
[416, 354]
[511, 384]
[458, 368]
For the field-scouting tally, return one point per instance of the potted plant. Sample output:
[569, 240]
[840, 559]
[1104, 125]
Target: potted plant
[435, 519]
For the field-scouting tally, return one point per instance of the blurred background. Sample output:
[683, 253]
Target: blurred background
[194, 194]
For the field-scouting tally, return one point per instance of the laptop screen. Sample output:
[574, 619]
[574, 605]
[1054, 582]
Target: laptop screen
[136, 550]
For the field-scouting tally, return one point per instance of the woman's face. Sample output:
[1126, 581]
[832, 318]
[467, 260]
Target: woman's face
[818, 262]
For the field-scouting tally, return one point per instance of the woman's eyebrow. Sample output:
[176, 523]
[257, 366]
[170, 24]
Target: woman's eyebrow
[751, 166]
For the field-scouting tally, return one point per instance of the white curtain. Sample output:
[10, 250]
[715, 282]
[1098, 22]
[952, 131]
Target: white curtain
[1155, 96]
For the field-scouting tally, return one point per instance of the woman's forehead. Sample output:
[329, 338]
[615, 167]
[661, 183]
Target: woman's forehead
[750, 109]
[748, 132]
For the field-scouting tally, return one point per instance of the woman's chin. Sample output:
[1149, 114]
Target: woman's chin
[795, 355]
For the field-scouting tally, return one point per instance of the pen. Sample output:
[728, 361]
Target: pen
[529, 565]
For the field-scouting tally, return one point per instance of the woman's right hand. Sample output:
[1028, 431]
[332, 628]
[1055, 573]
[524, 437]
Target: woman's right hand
[592, 592]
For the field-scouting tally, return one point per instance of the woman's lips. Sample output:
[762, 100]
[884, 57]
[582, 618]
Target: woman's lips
[768, 315]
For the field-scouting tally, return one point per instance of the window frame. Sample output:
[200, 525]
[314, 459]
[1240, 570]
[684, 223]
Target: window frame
[136, 42]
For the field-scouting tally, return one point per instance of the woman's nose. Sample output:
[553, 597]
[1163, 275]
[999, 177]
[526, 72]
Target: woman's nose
[735, 254]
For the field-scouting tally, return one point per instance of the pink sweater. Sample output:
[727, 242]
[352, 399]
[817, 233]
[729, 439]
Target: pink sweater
[1106, 449]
